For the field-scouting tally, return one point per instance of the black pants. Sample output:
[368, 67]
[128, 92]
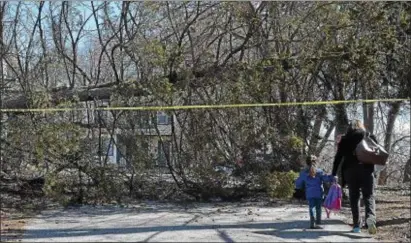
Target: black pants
[341, 177]
[361, 178]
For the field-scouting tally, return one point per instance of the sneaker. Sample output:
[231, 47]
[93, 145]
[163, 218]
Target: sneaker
[372, 228]
[356, 230]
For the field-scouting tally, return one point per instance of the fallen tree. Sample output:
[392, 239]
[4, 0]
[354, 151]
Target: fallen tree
[22, 100]
[192, 78]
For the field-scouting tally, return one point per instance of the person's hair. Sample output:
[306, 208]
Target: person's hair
[355, 125]
[312, 163]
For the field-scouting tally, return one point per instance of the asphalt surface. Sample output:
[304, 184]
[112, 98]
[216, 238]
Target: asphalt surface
[155, 222]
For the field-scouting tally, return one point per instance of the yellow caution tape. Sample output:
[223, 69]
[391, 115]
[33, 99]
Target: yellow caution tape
[191, 107]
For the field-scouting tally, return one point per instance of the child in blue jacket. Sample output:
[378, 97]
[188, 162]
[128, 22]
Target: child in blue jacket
[312, 179]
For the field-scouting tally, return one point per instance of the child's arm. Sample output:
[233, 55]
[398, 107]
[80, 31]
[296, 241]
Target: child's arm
[299, 183]
[327, 178]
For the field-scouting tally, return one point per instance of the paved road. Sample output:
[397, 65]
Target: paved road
[200, 222]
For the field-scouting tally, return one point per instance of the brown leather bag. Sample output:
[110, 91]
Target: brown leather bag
[370, 152]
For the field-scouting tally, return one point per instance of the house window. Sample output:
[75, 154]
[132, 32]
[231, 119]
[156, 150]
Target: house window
[100, 116]
[162, 118]
[107, 147]
[144, 145]
[163, 153]
[145, 119]
[121, 159]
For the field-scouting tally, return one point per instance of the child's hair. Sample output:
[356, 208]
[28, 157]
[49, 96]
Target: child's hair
[312, 162]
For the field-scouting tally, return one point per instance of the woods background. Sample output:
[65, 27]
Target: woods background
[94, 54]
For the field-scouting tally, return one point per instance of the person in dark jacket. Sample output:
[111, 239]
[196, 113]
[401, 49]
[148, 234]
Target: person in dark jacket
[359, 177]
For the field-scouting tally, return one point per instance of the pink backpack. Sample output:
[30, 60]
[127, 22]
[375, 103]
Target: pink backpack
[333, 200]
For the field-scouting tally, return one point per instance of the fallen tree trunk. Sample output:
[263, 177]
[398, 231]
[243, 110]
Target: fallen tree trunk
[81, 94]
[20, 100]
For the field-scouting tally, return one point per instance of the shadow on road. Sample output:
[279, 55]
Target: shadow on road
[278, 229]
[314, 234]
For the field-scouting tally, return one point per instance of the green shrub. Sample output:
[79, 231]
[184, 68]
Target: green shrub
[54, 188]
[295, 142]
[280, 184]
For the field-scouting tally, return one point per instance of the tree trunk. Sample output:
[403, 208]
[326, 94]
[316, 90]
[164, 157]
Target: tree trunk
[370, 121]
[315, 135]
[407, 171]
[368, 117]
[392, 116]
[368, 110]
[321, 146]
[341, 120]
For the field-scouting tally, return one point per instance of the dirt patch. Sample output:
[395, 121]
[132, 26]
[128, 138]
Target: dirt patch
[12, 226]
[15, 211]
[393, 207]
